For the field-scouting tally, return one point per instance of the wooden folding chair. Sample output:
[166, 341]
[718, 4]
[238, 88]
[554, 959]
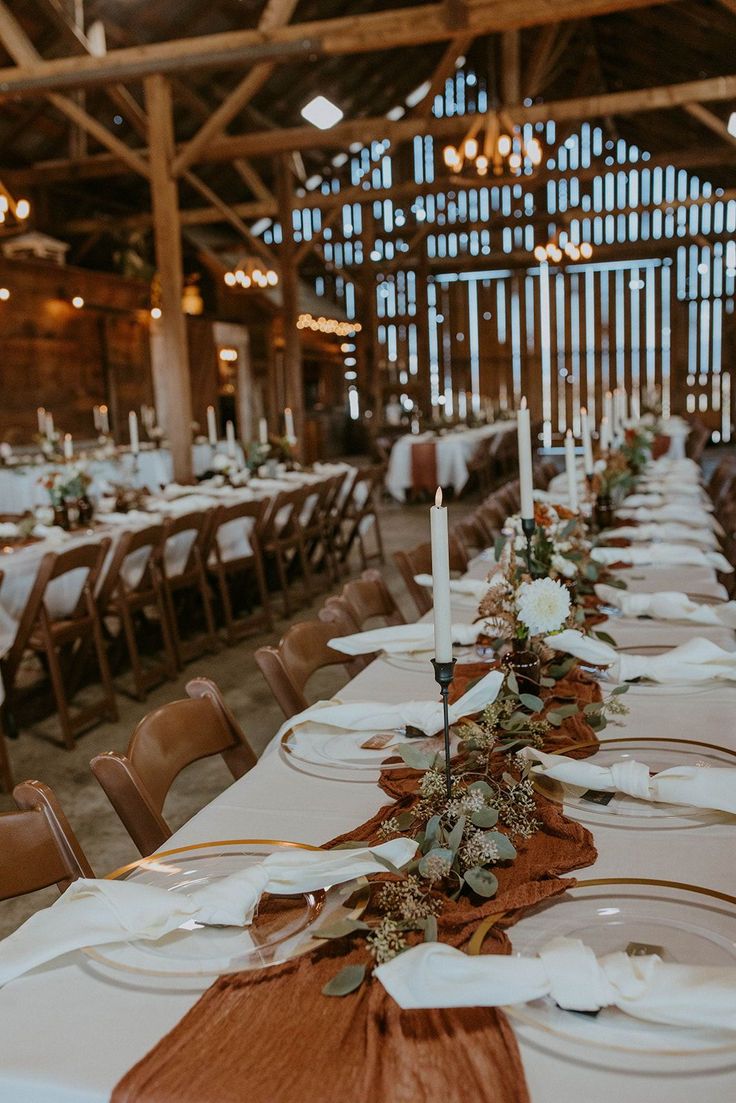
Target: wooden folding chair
[369, 597]
[37, 846]
[6, 772]
[235, 554]
[132, 586]
[63, 639]
[184, 582]
[283, 542]
[163, 744]
[301, 652]
[319, 528]
[359, 514]
[471, 534]
[419, 561]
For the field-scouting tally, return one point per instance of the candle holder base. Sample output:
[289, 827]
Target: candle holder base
[444, 672]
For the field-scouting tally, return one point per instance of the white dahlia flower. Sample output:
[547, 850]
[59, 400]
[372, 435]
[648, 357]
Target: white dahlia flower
[542, 606]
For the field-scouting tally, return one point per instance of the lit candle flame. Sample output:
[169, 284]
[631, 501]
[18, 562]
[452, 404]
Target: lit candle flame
[438, 497]
[522, 404]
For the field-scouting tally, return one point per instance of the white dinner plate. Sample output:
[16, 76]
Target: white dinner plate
[681, 923]
[619, 810]
[194, 955]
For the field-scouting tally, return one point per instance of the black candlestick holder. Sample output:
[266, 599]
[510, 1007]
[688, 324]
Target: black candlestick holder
[443, 675]
[528, 526]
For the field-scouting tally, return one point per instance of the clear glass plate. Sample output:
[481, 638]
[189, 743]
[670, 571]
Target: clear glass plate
[418, 660]
[280, 928]
[682, 923]
[629, 812]
[340, 756]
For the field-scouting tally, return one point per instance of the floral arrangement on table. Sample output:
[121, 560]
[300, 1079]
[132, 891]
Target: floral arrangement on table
[257, 453]
[50, 444]
[492, 810]
[7, 458]
[613, 478]
[68, 485]
[637, 447]
[559, 545]
[152, 429]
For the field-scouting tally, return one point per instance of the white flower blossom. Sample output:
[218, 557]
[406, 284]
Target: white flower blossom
[543, 606]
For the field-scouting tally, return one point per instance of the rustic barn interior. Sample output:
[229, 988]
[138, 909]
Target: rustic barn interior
[272, 274]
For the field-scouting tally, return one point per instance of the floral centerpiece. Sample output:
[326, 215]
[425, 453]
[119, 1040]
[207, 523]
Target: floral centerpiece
[67, 487]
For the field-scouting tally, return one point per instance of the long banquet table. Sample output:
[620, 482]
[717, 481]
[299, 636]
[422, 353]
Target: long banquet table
[453, 452]
[67, 1035]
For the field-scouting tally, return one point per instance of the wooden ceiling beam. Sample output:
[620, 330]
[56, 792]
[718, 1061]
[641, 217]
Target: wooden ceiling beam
[456, 48]
[335, 37]
[707, 118]
[276, 13]
[20, 47]
[511, 68]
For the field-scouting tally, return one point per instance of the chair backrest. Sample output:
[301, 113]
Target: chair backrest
[37, 846]
[471, 534]
[368, 597]
[84, 557]
[301, 652]
[282, 519]
[125, 577]
[241, 539]
[419, 561]
[186, 538]
[162, 745]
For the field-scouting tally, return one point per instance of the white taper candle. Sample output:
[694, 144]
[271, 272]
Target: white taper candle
[289, 425]
[211, 426]
[572, 475]
[104, 420]
[441, 580]
[605, 434]
[526, 484]
[133, 430]
[263, 430]
[41, 416]
[230, 435]
[49, 425]
[68, 446]
[587, 441]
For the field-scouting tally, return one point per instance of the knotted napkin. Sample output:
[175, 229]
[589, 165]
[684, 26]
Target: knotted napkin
[399, 638]
[668, 531]
[660, 555]
[698, 660]
[668, 605]
[463, 587]
[436, 975]
[700, 786]
[96, 912]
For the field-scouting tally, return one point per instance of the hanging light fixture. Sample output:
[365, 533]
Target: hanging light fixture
[559, 246]
[494, 144]
[13, 212]
[250, 272]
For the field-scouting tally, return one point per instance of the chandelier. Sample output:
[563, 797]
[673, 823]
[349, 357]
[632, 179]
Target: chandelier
[251, 273]
[13, 210]
[560, 246]
[328, 325]
[494, 145]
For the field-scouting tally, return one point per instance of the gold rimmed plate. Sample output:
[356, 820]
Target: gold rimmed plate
[193, 955]
[619, 810]
[682, 923]
[347, 756]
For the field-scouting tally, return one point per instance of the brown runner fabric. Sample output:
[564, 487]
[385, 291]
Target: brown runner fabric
[424, 467]
[270, 1036]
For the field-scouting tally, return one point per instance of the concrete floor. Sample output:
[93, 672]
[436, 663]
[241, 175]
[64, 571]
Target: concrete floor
[37, 753]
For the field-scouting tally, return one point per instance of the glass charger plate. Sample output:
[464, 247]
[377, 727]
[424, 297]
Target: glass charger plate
[618, 810]
[191, 954]
[419, 660]
[340, 756]
[682, 923]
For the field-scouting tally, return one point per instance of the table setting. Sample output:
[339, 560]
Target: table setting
[496, 932]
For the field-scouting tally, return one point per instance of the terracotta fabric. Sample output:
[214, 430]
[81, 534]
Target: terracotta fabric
[660, 446]
[270, 1036]
[424, 467]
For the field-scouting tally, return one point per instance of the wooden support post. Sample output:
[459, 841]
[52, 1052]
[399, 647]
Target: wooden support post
[169, 353]
[289, 282]
[422, 316]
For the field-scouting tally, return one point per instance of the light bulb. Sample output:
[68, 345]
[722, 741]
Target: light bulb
[78, 302]
[470, 148]
[482, 164]
[504, 145]
[450, 156]
[22, 209]
[586, 250]
[540, 253]
[515, 161]
[230, 279]
[156, 312]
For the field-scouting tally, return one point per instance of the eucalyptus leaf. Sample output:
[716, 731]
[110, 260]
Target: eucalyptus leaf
[430, 928]
[511, 682]
[404, 820]
[438, 852]
[349, 844]
[484, 817]
[618, 690]
[481, 787]
[456, 835]
[341, 928]
[547, 682]
[481, 881]
[345, 982]
[418, 758]
[592, 708]
[531, 701]
[506, 849]
[567, 710]
[432, 830]
[554, 718]
[605, 637]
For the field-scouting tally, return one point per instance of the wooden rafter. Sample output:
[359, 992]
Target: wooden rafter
[275, 14]
[511, 68]
[20, 47]
[445, 68]
[707, 118]
[336, 37]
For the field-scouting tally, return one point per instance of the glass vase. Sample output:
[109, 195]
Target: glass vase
[525, 665]
[604, 515]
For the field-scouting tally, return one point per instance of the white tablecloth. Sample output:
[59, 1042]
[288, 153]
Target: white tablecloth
[454, 449]
[68, 1035]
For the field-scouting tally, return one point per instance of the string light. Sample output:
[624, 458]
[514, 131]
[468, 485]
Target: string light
[156, 312]
[328, 325]
[491, 149]
[77, 302]
[554, 251]
[251, 273]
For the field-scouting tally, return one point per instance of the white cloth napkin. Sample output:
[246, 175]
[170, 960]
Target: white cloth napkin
[399, 638]
[698, 660]
[8, 530]
[668, 605]
[475, 588]
[666, 532]
[695, 517]
[657, 501]
[436, 975]
[96, 912]
[660, 555]
[700, 786]
[374, 716]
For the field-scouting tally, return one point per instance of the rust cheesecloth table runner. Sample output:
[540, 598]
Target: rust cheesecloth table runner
[424, 467]
[270, 1036]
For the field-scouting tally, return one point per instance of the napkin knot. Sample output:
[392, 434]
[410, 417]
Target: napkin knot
[576, 980]
[632, 778]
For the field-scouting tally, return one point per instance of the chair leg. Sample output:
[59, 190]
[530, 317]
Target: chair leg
[207, 605]
[263, 590]
[306, 569]
[283, 579]
[166, 636]
[104, 667]
[6, 772]
[57, 684]
[139, 680]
